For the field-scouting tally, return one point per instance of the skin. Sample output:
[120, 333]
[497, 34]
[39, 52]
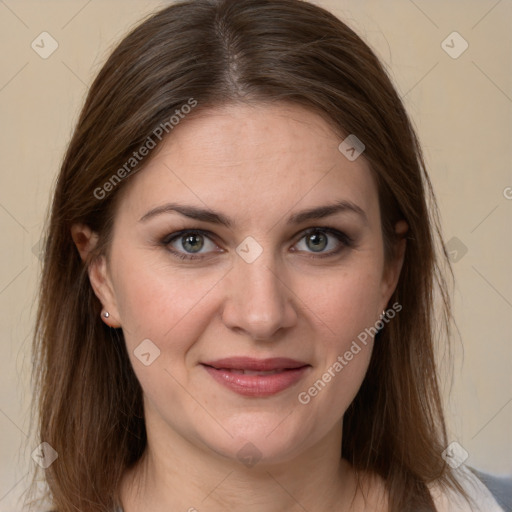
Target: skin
[257, 165]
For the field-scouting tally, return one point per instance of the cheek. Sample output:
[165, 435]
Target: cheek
[163, 303]
[345, 302]
[345, 309]
[169, 308]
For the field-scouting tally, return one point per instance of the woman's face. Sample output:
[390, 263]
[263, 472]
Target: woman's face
[236, 310]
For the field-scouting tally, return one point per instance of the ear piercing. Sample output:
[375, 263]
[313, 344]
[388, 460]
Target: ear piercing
[380, 320]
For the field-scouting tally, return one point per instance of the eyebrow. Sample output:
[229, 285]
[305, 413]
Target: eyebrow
[207, 215]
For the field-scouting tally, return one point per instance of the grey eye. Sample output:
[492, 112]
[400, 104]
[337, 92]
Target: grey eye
[316, 241]
[193, 242]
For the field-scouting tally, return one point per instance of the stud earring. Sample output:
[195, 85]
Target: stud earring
[380, 319]
[106, 314]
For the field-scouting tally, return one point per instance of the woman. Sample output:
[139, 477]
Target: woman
[236, 309]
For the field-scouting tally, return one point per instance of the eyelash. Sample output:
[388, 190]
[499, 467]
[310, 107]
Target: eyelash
[345, 240]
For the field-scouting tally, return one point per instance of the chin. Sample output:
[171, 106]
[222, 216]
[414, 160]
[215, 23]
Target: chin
[262, 439]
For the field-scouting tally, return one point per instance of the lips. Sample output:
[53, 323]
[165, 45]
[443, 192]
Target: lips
[256, 377]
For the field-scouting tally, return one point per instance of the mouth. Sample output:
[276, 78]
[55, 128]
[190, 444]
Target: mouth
[256, 377]
[253, 372]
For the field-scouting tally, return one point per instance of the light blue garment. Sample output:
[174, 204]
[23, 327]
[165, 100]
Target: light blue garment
[500, 487]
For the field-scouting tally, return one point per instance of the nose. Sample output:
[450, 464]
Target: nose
[258, 301]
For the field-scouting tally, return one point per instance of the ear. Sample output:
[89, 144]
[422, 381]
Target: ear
[85, 240]
[392, 271]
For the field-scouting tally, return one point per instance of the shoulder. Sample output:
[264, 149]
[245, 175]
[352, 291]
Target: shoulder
[119, 509]
[479, 493]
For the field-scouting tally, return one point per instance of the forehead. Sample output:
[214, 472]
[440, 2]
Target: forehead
[264, 158]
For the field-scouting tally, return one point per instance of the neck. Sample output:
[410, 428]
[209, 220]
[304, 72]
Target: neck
[175, 474]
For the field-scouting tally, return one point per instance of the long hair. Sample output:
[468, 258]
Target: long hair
[87, 397]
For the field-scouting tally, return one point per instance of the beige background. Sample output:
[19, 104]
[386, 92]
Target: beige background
[463, 111]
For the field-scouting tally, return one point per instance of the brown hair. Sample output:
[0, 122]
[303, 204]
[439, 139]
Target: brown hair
[87, 396]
